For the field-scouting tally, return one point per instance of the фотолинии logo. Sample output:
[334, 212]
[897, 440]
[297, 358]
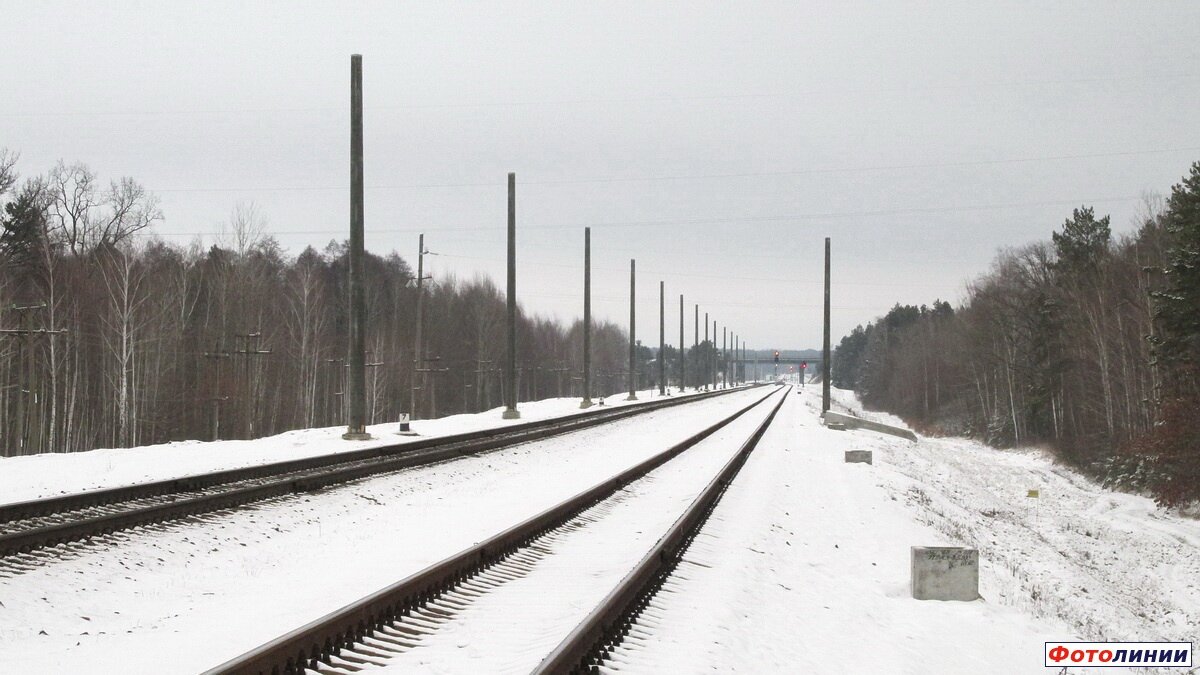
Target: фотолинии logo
[1119, 654]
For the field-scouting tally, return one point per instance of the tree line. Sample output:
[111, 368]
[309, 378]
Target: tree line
[114, 338]
[1087, 343]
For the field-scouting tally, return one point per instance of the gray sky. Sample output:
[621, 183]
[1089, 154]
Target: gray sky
[718, 143]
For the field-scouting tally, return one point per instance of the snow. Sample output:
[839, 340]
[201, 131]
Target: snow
[51, 474]
[243, 577]
[538, 600]
[802, 568]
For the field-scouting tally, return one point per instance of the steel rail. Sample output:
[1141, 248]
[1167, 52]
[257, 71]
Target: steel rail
[171, 499]
[586, 646]
[323, 638]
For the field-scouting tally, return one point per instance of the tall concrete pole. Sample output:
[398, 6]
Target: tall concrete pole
[510, 410]
[696, 340]
[743, 362]
[725, 344]
[632, 328]
[417, 333]
[662, 339]
[706, 371]
[682, 348]
[716, 362]
[587, 319]
[356, 429]
[825, 351]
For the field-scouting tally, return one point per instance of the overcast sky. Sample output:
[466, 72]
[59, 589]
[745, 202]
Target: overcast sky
[717, 143]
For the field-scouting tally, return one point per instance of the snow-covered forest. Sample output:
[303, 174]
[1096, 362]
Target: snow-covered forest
[1087, 343]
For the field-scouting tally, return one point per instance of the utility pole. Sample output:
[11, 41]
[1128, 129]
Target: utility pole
[682, 349]
[587, 319]
[28, 431]
[374, 366]
[336, 383]
[215, 421]
[632, 329]
[510, 409]
[825, 350]
[562, 368]
[707, 370]
[662, 339]
[416, 384]
[479, 383]
[425, 372]
[356, 429]
[247, 345]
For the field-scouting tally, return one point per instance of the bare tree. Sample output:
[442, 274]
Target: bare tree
[84, 218]
[245, 228]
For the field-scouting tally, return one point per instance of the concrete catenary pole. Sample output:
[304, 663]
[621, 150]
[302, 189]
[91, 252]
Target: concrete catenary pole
[682, 348]
[510, 366]
[356, 429]
[632, 329]
[587, 319]
[662, 339]
[733, 376]
[715, 363]
[825, 350]
[696, 340]
[724, 357]
[706, 371]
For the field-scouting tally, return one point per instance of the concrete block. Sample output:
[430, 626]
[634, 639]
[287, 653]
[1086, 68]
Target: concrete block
[945, 573]
[858, 457]
[836, 426]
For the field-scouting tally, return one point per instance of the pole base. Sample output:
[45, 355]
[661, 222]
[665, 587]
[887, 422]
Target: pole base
[511, 414]
[631, 397]
[356, 436]
[585, 403]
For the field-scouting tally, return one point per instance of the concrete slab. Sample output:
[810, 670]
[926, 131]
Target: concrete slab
[945, 573]
[852, 422]
[858, 457]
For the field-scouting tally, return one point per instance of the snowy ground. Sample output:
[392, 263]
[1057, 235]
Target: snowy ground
[188, 596]
[802, 569]
[1112, 565]
[46, 475]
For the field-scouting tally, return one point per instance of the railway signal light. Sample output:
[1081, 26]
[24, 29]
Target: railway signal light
[803, 365]
[776, 357]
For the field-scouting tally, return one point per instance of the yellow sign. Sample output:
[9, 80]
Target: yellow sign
[1033, 494]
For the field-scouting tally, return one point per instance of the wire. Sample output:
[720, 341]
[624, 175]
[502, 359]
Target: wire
[610, 100]
[685, 177]
[695, 221]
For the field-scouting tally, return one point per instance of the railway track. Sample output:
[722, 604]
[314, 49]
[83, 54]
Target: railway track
[27, 527]
[534, 568]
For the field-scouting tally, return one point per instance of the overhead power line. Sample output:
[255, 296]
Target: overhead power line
[702, 176]
[601, 100]
[699, 221]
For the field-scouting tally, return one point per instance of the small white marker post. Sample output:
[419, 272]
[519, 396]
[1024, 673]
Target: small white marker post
[404, 426]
